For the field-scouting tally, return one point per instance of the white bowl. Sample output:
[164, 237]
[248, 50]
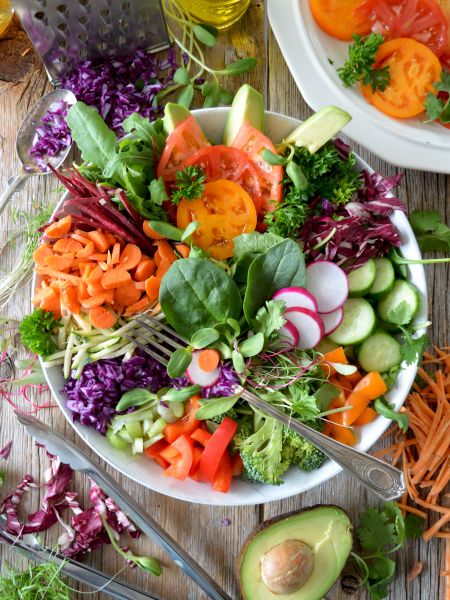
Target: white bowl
[149, 474]
[308, 51]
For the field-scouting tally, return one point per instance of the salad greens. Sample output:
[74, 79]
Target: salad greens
[359, 65]
[37, 582]
[36, 332]
[432, 234]
[189, 183]
[438, 108]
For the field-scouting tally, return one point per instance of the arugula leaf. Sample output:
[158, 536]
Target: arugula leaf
[360, 64]
[36, 332]
[158, 193]
[269, 318]
[386, 410]
[439, 108]
[145, 130]
[189, 184]
[97, 143]
[432, 234]
[411, 349]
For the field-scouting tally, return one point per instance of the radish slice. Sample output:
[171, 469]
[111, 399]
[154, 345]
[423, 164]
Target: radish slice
[331, 321]
[297, 296]
[308, 324]
[289, 333]
[328, 284]
[198, 376]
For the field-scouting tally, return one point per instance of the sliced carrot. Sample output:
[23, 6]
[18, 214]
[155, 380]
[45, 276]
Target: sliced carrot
[183, 250]
[43, 293]
[59, 229]
[367, 416]
[110, 237]
[69, 298]
[86, 269]
[372, 386]
[65, 245]
[82, 290]
[138, 307]
[119, 309]
[208, 359]
[57, 274]
[95, 275]
[127, 295]
[59, 262]
[52, 304]
[95, 288]
[140, 285]
[166, 252]
[151, 233]
[152, 285]
[157, 258]
[93, 301]
[163, 267]
[100, 240]
[145, 269]
[130, 257]
[82, 237]
[115, 278]
[115, 255]
[41, 253]
[344, 435]
[98, 256]
[102, 318]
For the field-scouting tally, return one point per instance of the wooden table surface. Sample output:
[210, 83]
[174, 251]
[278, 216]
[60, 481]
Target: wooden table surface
[197, 528]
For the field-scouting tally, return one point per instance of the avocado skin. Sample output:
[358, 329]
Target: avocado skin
[289, 535]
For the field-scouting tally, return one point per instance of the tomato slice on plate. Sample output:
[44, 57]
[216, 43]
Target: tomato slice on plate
[224, 211]
[422, 20]
[223, 162]
[184, 141]
[252, 142]
[337, 18]
[413, 69]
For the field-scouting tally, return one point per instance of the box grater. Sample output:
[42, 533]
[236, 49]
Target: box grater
[67, 32]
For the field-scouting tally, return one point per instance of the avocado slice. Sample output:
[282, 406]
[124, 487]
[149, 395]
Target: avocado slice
[312, 545]
[247, 107]
[319, 128]
[174, 114]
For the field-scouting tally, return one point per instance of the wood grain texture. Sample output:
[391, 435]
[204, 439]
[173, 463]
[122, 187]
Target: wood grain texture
[197, 528]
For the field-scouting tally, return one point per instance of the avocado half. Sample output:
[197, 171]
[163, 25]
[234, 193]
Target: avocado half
[303, 552]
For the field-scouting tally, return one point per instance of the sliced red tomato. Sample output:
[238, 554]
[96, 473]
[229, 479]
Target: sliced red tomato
[223, 162]
[338, 19]
[422, 20]
[253, 142]
[185, 140]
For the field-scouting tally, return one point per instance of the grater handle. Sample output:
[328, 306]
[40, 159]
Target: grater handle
[15, 184]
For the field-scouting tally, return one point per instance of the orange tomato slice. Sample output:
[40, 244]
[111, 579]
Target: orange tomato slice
[224, 211]
[336, 17]
[413, 69]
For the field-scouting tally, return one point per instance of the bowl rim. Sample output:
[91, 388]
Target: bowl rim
[191, 491]
[391, 139]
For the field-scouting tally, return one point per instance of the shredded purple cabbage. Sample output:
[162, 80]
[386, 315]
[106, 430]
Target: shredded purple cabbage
[94, 396]
[117, 88]
[224, 386]
[6, 450]
[357, 231]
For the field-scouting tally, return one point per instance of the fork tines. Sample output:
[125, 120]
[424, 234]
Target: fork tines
[155, 338]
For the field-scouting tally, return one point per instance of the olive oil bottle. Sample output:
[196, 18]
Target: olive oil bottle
[219, 13]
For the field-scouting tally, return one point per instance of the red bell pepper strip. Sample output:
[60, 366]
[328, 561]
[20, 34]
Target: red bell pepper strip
[196, 460]
[153, 450]
[161, 461]
[222, 478]
[185, 425]
[237, 466]
[170, 453]
[215, 449]
[181, 465]
[201, 436]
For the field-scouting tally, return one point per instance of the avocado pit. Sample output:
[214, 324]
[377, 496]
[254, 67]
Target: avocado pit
[286, 567]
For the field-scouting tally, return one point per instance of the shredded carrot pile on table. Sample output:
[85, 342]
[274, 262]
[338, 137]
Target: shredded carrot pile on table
[423, 452]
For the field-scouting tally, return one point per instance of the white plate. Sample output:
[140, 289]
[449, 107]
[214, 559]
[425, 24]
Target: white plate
[307, 50]
[149, 474]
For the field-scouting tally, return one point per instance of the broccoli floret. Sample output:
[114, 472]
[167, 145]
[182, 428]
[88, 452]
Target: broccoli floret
[298, 451]
[261, 453]
[232, 414]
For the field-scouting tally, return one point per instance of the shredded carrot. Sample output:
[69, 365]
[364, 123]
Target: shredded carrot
[447, 569]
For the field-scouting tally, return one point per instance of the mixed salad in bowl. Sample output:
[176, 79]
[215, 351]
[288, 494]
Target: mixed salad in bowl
[278, 264]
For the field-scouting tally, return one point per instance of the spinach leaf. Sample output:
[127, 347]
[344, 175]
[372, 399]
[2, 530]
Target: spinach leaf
[92, 135]
[254, 243]
[281, 266]
[195, 294]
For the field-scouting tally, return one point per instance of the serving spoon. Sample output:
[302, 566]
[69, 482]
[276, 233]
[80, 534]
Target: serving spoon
[24, 143]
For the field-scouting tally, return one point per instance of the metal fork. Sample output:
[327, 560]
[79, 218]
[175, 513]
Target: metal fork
[160, 341]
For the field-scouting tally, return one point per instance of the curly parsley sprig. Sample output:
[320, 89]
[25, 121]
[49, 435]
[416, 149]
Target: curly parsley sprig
[360, 64]
[36, 332]
[189, 184]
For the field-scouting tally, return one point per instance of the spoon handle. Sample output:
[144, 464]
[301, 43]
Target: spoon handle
[15, 184]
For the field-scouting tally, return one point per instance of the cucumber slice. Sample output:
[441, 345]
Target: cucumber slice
[384, 279]
[361, 280]
[134, 429]
[401, 304]
[115, 440]
[326, 345]
[379, 352]
[359, 322]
